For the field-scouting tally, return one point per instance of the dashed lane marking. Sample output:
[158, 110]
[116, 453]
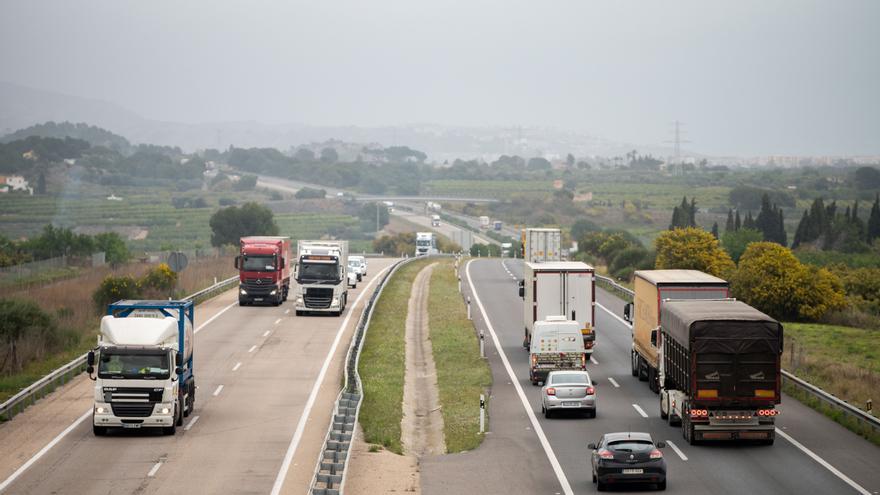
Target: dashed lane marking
[823, 462]
[266, 333]
[614, 382]
[252, 349]
[593, 360]
[603, 308]
[191, 423]
[640, 411]
[278, 320]
[218, 390]
[237, 366]
[154, 470]
[677, 450]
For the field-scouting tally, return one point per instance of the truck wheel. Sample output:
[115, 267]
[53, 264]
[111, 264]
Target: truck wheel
[634, 360]
[643, 369]
[179, 421]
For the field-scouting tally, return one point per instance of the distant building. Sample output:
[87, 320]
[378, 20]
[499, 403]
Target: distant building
[583, 197]
[14, 183]
[557, 184]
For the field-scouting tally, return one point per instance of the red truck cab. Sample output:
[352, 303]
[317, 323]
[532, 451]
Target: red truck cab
[263, 265]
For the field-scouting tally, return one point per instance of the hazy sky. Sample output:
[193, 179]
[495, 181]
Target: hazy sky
[748, 77]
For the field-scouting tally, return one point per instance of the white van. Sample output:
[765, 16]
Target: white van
[557, 344]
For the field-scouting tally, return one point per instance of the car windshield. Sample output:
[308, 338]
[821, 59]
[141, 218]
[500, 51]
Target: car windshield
[630, 446]
[318, 271]
[572, 378]
[253, 263]
[114, 364]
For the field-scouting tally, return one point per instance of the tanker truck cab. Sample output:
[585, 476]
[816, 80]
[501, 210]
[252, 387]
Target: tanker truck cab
[143, 366]
[556, 345]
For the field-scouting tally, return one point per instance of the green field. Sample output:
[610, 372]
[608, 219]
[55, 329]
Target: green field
[500, 189]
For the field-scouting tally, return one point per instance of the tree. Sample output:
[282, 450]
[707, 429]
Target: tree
[26, 333]
[569, 160]
[246, 183]
[41, 184]
[715, 230]
[367, 215]
[736, 242]
[749, 223]
[684, 215]
[583, 226]
[230, 224]
[329, 155]
[873, 227]
[772, 279]
[304, 155]
[539, 163]
[729, 226]
[310, 193]
[692, 248]
[867, 178]
[115, 251]
[737, 224]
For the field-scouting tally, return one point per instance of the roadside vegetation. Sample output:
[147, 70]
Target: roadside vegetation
[462, 374]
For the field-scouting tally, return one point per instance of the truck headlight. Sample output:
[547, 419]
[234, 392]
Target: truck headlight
[102, 409]
[335, 302]
[163, 409]
[273, 292]
[299, 300]
[243, 292]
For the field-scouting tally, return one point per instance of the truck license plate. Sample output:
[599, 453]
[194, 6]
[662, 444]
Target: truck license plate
[633, 471]
[131, 425]
[570, 404]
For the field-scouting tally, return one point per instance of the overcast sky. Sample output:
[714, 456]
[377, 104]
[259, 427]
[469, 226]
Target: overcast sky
[746, 76]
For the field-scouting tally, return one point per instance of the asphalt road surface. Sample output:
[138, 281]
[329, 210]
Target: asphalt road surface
[267, 383]
[720, 468]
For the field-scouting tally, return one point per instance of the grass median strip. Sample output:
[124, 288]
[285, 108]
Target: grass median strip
[383, 361]
[462, 375]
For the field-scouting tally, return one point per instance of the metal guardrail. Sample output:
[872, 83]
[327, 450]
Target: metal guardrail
[859, 415]
[44, 386]
[330, 470]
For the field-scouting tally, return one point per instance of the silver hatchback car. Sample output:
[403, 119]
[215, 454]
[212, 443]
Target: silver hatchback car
[568, 390]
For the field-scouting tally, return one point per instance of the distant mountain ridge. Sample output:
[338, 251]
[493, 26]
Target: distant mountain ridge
[22, 107]
[94, 135]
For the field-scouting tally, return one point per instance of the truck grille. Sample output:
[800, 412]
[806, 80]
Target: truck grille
[318, 298]
[258, 286]
[132, 394]
[126, 410]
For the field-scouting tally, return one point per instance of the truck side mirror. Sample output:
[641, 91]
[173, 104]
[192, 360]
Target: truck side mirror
[178, 370]
[90, 358]
[238, 262]
[89, 370]
[654, 337]
[627, 312]
[522, 289]
[591, 446]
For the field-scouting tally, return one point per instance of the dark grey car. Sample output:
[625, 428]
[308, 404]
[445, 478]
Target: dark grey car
[627, 457]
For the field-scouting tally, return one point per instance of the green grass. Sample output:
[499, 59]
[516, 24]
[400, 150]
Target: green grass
[12, 384]
[383, 361]
[462, 375]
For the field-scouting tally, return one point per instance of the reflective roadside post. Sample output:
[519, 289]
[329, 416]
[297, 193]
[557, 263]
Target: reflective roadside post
[482, 414]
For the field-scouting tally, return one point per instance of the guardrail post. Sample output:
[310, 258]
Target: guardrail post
[482, 414]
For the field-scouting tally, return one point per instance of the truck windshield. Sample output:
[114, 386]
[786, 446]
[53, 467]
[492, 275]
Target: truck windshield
[265, 263]
[312, 272]
[123, 364]
[423, 243]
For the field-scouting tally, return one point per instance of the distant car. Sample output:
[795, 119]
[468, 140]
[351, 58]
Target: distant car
[362, 265]
[568, 390]
[627, 457]
[352, 278]
[354, 266]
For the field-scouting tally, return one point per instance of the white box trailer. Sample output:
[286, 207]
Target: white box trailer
[542, 245]
[560, 288]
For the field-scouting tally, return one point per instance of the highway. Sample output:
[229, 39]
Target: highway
[826, 458]
[267, 383]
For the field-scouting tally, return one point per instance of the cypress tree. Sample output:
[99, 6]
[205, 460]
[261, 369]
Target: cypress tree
[729, 227]
[692, 217]
[781, 236]
[715, 230]
[737, 222]
[802, 227]
[873, 230]
[748, 223]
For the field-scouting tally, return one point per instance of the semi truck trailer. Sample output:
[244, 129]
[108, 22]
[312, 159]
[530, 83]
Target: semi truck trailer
[720, 370]
[566, 288]
[321, 275]
[541, 245]
[263, 265]
[143, 366]
[652, 289]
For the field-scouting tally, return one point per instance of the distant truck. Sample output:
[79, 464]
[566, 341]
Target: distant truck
[496, 225]
[263, 265]
[565, 288]
[435, 220]
[321, 275]
[720, 366]
[556, 346]
[144, 362]
[426, 243]
[484, 222]
[652, 289]
[541, 245]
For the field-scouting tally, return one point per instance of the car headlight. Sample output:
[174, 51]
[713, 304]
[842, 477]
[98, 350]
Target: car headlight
[243, 292]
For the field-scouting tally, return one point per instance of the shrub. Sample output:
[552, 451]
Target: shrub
[695, 249]
[310, 193]
[27, 333]
[158, 282]
[113, 289]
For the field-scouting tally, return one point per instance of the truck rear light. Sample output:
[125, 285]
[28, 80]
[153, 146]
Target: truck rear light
[707, 394]
[534, 360]
[766, 394]
[606, 454]
[551, 391]
[591, 390]
[767, 412]
[656, 454]
[699, 413]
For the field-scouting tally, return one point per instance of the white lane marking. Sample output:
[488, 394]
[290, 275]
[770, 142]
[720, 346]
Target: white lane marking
[310, 402]
[266, 333]
[548, 450]
[154, 470]
[614, 315]
[287, 311]
[237, 366]
[278, 321]
[217, 392]
[640, 410]
[614, 382]
[823, 462]
[191, 423]
[203, 325]
[677, 450]
[252, 349]
[593, 360]
[8, 481]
